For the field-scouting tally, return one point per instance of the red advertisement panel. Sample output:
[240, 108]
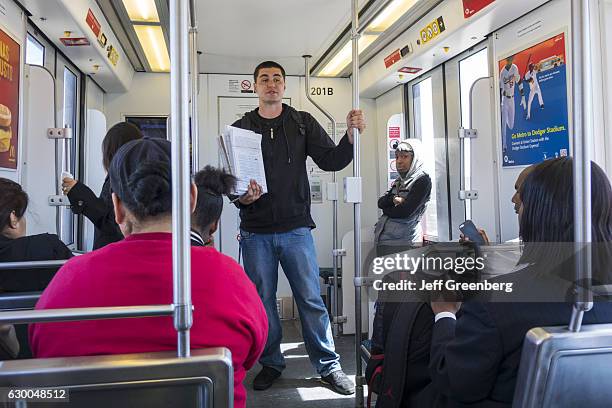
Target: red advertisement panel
[471, 7]
[9, 101]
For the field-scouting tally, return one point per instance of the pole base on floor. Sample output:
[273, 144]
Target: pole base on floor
[359, 397]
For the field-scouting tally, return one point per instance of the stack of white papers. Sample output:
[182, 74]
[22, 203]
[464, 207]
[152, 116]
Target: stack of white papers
[241, 153]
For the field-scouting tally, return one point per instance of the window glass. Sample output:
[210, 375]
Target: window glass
[150, 126]
[35, 52]
[422, 94]
[70, 109]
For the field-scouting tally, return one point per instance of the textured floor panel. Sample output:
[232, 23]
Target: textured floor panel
[299, 386]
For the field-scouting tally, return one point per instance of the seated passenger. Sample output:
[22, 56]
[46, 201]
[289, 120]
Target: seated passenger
[212, 184]
[475, 359]
[99, 210]
[16, 246]
[404, 204]
[138, 271]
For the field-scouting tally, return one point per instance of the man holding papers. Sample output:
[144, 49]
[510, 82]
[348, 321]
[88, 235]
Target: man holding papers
[275, 225]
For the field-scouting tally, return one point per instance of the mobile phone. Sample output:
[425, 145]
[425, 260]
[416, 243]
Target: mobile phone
[471, 232]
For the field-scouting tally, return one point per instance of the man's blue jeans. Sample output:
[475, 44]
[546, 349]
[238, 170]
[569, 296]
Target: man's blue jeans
[296, 253]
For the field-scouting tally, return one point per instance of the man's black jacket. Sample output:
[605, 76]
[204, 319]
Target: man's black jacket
[286, 142]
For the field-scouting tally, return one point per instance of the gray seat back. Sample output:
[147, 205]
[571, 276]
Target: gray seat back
[564, 369]
[130, 380]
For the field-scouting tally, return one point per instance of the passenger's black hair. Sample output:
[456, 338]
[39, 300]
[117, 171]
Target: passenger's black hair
[151, 190]
[12, 198]
[117, 136]
[212, 184]
[268, 64]
[547, 214]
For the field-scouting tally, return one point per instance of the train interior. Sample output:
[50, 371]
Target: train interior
[430, 72]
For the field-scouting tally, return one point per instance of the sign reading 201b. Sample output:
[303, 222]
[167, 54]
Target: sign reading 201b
[317, 90]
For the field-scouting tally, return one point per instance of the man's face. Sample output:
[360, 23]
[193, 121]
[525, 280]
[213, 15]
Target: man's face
[509, 62]
[516, 198]
[270, 85]
[403, 161]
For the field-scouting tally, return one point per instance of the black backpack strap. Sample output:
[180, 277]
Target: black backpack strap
[246, 122]
[299, 120]
[397, 345]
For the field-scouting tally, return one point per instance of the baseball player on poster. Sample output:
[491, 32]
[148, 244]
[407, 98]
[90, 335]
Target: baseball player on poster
[508, 77]
[534, 88]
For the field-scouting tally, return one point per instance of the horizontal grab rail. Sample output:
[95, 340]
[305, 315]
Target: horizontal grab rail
[84, 313]
[31, 264]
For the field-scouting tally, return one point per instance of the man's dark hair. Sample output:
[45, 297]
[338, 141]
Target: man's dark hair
[268, 64]
[212, 184]
[12, 198]
[117, 136]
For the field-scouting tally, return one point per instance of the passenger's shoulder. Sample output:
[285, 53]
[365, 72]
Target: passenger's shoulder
[424, 180]
[209, 256]
[45, 237]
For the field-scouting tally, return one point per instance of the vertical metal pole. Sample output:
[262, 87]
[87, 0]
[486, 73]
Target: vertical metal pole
[181, 182]
[359, 380]
[336, 321]
[582, 132]
[59, 213]
[193, 59]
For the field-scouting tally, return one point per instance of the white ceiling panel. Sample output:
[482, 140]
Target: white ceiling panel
[239, 33]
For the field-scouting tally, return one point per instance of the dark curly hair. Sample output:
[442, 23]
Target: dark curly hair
[212, 184]
[12, 198]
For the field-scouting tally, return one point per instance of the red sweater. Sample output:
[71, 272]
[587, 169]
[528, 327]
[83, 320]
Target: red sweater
[138, 271]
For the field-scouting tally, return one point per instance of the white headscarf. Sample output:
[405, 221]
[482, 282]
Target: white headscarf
[417, 168]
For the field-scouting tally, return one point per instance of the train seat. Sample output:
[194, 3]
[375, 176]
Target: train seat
[150, 380]
[564, 369]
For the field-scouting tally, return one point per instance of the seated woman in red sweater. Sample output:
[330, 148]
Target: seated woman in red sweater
[138, 271]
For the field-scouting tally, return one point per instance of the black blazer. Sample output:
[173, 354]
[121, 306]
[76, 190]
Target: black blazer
[99, 210]
[475, 360]
[41, 247]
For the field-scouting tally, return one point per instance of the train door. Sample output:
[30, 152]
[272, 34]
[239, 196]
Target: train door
[438, 104]
[68, 88]
[426, 119]
[471, 160]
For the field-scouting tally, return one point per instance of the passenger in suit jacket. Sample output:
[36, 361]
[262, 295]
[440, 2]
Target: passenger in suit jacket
[475, 357]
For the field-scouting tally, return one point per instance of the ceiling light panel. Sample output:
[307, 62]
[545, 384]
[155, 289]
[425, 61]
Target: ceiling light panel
[141, 11]
[345, 56]
[389, 15]
[154, 46]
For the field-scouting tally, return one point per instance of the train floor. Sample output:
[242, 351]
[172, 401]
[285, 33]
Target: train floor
[300, 386]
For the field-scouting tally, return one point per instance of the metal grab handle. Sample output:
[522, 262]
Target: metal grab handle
[31, 264]
[335, 306]
[84, 313]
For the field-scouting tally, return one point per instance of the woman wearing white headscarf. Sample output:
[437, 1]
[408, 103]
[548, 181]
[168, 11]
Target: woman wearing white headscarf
[404, 204]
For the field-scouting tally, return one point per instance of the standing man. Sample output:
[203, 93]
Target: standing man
[275, 227]
[534, 88]
[508, 77]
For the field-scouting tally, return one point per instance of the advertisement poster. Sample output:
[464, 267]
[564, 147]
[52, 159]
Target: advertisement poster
[395, 134]
[533, 94]
[9, 101]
